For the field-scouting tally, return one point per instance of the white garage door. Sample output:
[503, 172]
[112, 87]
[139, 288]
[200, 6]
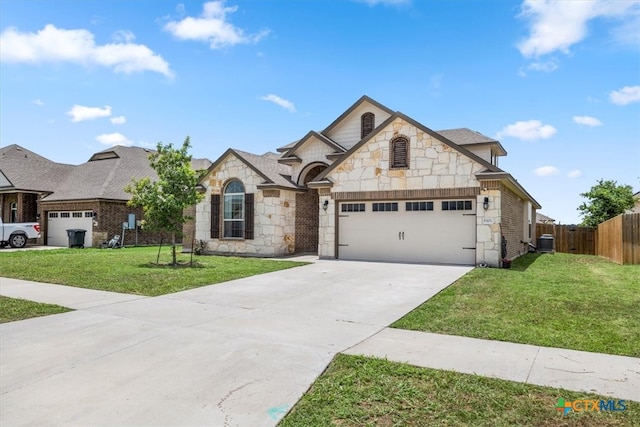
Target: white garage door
[429, 231]
[58, 222]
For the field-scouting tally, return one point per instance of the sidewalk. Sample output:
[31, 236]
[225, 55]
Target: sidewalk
[609, 375]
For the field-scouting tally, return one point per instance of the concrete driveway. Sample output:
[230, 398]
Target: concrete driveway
[239, 353]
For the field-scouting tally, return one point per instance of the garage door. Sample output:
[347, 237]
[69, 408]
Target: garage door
[429, 231]
[58, 222]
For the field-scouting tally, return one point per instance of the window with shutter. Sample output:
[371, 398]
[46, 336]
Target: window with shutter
[233, 214]
[215, 216]
[399, 157]
[367, 123]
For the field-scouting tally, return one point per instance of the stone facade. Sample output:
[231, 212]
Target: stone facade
[274, 217]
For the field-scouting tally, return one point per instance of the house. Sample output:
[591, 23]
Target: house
[88, 196]
[543, 219]
[26, 177]
[373, 185]
[636, 206]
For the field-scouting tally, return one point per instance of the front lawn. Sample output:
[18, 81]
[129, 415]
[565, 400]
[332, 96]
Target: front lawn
[12, 309]
[360, 391]
[130, 270]
[578, 302]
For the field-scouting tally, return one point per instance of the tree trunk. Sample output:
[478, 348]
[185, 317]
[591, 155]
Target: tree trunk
[173, 249]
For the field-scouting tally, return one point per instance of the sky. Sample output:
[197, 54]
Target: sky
[556, 82]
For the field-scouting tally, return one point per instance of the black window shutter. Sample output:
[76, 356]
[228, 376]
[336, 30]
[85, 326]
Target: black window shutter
[248, 216]
[215, 216]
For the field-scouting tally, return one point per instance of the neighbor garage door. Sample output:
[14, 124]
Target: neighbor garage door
[425, 231]
[58, 222]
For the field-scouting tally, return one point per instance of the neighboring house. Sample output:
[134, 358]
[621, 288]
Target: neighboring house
[89, 196]
[25, 177]
[374, 185]
[636, 207]
[543, 219]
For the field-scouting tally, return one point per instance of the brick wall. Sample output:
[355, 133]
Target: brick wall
[307, 221]
[513, 216]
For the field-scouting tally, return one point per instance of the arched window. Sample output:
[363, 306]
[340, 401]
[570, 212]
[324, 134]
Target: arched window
[13, 207]
[233, 219]
[367, 123]
[399, 155]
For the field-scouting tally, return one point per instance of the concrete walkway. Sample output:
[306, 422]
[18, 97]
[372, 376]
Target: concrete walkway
[615, 376]
[239, 353]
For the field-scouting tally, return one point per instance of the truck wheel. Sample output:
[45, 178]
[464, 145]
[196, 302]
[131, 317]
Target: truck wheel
[18, 240]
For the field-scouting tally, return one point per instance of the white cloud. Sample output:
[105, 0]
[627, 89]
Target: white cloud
[118, 120]
[528, 130]
[556, 25]
[112, 139]
[287, 105]
[212, 26]
[53, 44]
[546, 171]
[81, 113]
[626, 95]
[37, 102]
[587, 121]
[575, 174]
[123, 36]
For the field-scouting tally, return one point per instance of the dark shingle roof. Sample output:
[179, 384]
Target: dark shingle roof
[465, 136]
[268, 164]
[106, 174]
[27, 171]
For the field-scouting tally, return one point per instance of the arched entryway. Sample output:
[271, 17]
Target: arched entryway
[307, 212]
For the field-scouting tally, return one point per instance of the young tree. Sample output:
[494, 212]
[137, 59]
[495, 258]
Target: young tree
[164, 200]
[606, 200]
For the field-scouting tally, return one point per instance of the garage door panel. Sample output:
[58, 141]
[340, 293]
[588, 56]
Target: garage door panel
[58, 222]
[435, 236]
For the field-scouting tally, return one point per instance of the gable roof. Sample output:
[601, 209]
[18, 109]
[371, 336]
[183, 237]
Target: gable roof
[323, 138]
[24, 170]
[275, 174]
[106, 174]
[418, 125]
[349, 110]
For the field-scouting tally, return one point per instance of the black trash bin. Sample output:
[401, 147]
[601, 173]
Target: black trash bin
[76, 237]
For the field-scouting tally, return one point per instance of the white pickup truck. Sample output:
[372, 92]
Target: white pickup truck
[17, 234]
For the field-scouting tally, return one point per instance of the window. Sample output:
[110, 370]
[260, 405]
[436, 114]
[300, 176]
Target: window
[399, 156]
[14, 211]
[367, 123]
[385, 207]
[353, 207]
[457, 205]
[419, 206]
[53, 214]
[65, 215]
[233, 211]
[77, 214]
[88, 214]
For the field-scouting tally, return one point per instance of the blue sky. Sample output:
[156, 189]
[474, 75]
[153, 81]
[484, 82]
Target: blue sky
[557, 82]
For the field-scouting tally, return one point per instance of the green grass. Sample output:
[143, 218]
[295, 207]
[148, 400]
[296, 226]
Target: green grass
[577, 302]
[130, 270]
[360, 391]
[12, 309]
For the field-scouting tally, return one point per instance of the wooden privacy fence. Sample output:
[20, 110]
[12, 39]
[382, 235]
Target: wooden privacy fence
[617, 239]
[570, 239]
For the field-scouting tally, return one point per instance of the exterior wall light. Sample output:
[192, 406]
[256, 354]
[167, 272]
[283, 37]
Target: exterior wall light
[485, 205]
[325, 205]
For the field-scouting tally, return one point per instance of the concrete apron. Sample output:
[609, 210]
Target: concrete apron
[239, 353]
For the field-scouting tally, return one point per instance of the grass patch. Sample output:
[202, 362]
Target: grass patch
[578, 302]
[361, 391]
[12, 309]
[130, 270]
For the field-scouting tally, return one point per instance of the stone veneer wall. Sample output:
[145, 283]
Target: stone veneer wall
[313, 151]
[432, 165]
[274, 216]
[488, 234]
